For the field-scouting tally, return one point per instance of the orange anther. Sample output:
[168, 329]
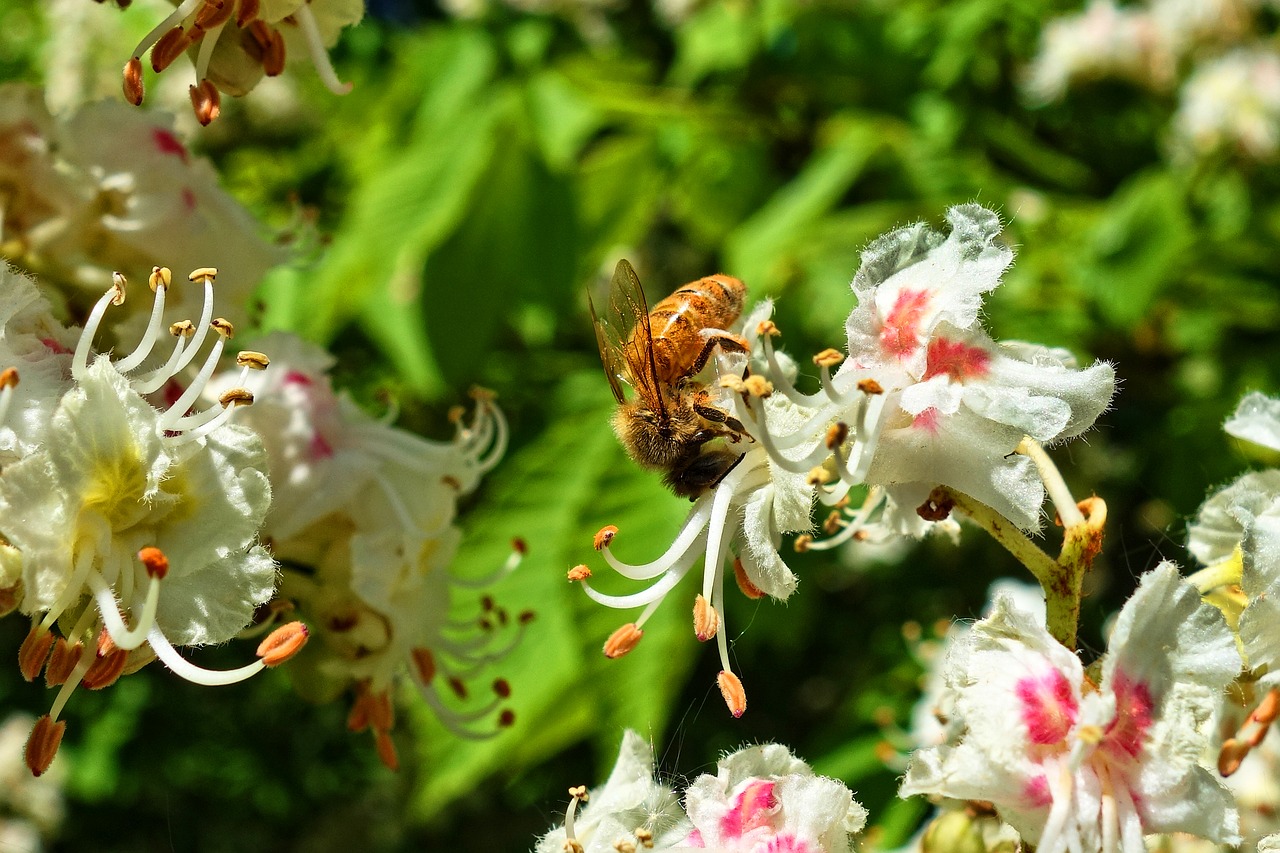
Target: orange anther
[579, 573]
[1232, 756]
[106, 668]
[9, 377]
[749, 589]
[133, 87]
[170, 46]
[61, 662]
[837, 434]
[604, 536]
[382, 713]
[731, 689]
[870, 387]
[33, 651]
[206, 101]
[424, 663]
[828, 358]
[706, 620]
[386, 751]
[283, 643]
[215, 13]
[155, 562]
[768, 327]
[247, 12]
[622, 641]
[42, 744]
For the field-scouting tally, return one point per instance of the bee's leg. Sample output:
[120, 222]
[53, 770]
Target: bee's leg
[725, 473]
[734, 432]
[726, 342]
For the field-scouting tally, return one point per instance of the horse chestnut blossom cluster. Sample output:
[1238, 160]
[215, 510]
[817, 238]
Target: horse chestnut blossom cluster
[130, 515]
[92, 193]
[762, 800]
[235, 43]
[363, 523]
[923, 397]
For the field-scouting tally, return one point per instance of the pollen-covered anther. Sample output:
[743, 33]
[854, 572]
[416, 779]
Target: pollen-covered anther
[870, 387]
[223, 327]
[837, 434]
[236, 397]
[733, 383]
[1232, 755]
[818, 476]
[828, 357]
[1090, 734]
[520, 546]
[802, 543]
[9, 377]
[768, 327]
[624, 845]
[33, 651]
[154, 561]
[604, 536]
[579, 793]
[119, 284]
[644, 837]
[620, 642]
[833, 523]
[215, 13]
[283, 643]
[579, 573]
[160, 277]
[133, 86]
[170, 46]
[732, 691]
[481, 394]
[182, 329]
[206, 101]
[61, 662]
[706, 619]
[42, 744]
[757, 386]
[203, 274]
[247, 12]
[749, 589]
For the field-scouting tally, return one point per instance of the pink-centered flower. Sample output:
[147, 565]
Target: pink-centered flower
[1078, 764]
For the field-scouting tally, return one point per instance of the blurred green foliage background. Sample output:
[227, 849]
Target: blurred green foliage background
[452, 213]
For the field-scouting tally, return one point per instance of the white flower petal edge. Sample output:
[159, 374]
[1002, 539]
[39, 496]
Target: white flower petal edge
[1257, 420]
[1075, 768]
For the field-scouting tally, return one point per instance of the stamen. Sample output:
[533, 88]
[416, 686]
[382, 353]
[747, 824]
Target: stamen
[689, 538]
[159, 282]
[621, 641]
[206, 102]
[283, 643]
[247, 12]
[42, 744]
[386, 749]
[182, 332]
[107, 666]
[33, 651]
[175, 18]
[109, 610]
[706, 620]
[579, 572]
[182, 667]
[196, 388]
[213, 31]
[214, 14]
[424, 664]
[8, 381]
[734, 695]
[62, 662]
[510, 565]
[133, 87]
[273, 56]
[170, 46]
[577, 795]
[749, 589]
[114, 296]
[319, 56]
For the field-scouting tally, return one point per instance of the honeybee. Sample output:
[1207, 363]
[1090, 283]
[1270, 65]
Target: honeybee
[659, 353]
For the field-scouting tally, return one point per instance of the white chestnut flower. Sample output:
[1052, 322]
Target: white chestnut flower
[1232, 103]
[363, 522]
[137, 525]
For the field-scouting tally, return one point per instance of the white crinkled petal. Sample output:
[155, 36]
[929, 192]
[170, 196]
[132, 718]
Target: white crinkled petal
[761, 560]
[820, 809]
[1260, 621]
[216, 603]
[937, 392]
[1219, 523]
[1257, 420]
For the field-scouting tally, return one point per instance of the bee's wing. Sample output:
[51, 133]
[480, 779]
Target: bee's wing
[625, 339]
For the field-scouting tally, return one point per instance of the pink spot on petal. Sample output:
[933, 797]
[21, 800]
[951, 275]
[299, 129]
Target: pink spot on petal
[787, 843]
[956, 359]
[694, 840]
[1135, 710]
[54, 347]
[928, 420]
[318, 448]
[900, 333]
[167, 143]
[188, 199]
[294, 377]
[752, 809]
[1048, 706]
[1036, 792]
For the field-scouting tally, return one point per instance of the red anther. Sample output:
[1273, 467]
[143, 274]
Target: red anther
[283, 643]
[734, 695]
[170, 46]
[106, 669]
[155, 562]
[1268, 709]
[519, 546]
[33, 651]
[382, 713]
[526, 616]
[579, 573]
[358, 718]
[386, 751]
[10, 598]
[458, 686]
[502, 687]
[749, 589]
[486, 603]
[247, 12]
[273, 54]
[622, 641]
[42, 744]
[425, 664]
[706, 621]
[260, 37]
[506, 719]
[485, 624]
[503, 618]
[62, 662]
[605, 536]
[1232, 756]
